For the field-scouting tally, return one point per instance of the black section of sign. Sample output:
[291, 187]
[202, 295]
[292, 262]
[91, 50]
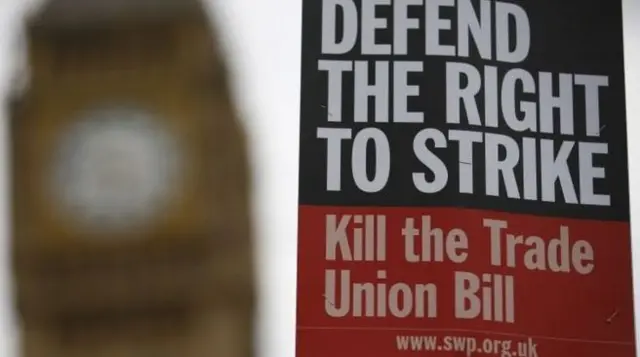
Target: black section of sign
[572, 37]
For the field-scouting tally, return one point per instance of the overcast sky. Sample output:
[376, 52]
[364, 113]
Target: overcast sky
[266, 50]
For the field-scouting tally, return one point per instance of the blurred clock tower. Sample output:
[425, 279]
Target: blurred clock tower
[131, 232]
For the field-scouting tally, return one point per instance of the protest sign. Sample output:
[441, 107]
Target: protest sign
[463, 180]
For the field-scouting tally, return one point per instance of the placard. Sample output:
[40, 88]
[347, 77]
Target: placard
[463, 180]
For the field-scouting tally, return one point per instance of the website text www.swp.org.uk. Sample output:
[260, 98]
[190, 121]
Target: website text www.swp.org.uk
[470, 345]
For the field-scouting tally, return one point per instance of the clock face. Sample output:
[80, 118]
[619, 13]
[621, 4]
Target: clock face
[115, 169]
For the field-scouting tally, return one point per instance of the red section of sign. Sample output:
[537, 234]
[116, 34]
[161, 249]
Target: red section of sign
[585, 312]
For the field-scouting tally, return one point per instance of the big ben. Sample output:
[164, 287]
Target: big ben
[131, 227]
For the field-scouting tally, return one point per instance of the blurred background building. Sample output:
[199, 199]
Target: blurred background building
[131, 228]
[262, 39]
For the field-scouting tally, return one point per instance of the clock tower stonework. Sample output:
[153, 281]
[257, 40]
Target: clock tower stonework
[131, 229]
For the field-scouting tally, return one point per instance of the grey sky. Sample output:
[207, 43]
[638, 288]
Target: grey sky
[265, 39]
